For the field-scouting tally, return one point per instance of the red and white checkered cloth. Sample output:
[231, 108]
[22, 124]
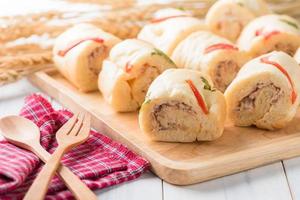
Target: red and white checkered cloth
[100, 162]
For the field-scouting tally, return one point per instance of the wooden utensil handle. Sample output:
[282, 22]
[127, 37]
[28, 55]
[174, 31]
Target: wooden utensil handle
[40, 185]
[75, 185]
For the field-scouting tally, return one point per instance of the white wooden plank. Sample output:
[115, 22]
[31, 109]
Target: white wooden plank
[18, 89]
[11, 107]
[264, 183]
[147, 187]
[292, 169]
[12, 96]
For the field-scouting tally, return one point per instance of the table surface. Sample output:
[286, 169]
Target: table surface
[278, 181]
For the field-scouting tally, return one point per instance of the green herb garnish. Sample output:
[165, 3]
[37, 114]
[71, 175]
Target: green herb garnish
[160, 53]
[180, 8]
[147, 98]
[207, 86]
[146, 101]
[290, 23]
[240, 4]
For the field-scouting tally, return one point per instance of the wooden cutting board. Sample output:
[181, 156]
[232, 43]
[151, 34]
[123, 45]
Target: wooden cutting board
[182, 164]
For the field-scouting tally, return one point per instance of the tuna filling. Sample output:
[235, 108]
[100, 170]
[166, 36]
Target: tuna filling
[272, 94]
[173, 115]
[225, 73]
[95, 59]
[254, 107]
[140, 84]
[287, 48]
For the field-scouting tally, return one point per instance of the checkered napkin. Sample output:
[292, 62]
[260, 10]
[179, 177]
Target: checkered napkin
[100, 162]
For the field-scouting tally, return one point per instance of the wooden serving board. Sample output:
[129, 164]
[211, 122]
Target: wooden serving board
[182, 164]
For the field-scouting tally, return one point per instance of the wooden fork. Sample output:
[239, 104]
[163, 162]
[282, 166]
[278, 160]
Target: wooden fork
[73, 133]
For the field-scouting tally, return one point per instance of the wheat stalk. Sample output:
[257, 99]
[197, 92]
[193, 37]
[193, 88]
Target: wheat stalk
[19, 59]
[13, 68]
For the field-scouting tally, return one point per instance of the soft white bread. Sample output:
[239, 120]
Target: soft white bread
[182, 106]
[297, 56]
[269, 33]
[265, 92]
[227, 18]
[169, 28]
[258, 7]
[213, 55]
[127, 73]
[78, 54]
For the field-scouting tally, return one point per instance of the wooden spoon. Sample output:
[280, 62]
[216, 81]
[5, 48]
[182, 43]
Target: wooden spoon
[25, 134]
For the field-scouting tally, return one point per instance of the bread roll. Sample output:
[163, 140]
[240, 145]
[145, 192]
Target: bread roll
[212, 55]
[227, 18]
[168, 28]
[265, 92]
[78, 54]
[127, 73]
[270, 32]
[182, 106]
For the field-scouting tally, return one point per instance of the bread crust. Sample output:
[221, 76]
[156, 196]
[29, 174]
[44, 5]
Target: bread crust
[268, 33]
[82, 63]
[126, 75]
[221, 65]
[261, 94]
[228, 18]
[172, 113]
[166, 34]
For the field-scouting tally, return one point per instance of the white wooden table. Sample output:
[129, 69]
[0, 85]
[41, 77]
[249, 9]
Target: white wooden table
[278, 181]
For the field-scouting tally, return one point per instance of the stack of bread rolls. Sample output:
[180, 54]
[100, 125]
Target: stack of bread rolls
[176, 71]
[193, 46]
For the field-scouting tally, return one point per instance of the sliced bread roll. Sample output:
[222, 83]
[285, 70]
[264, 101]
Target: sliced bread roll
[168, 28]
[212, 55]
[182, 106]
[78, 54]
[127, 73]
[269, 33]
[265, 92]
[227, 18]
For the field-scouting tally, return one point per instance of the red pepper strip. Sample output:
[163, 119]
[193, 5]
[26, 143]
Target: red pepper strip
[166, 18]
[128, 67]
[219, 46]
[198, 96]
[266, 35]
[270, 34]
[259, 32]
[74, 44]
[267, 61]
